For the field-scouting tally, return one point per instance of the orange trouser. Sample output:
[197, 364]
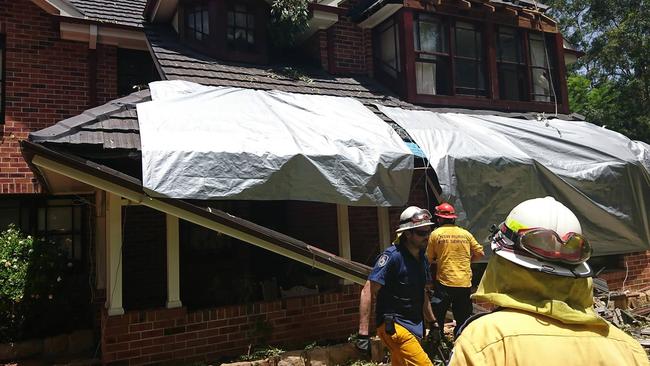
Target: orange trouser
[405, 350]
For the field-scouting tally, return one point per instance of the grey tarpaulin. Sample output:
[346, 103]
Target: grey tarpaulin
[206, 143]
[488, 164]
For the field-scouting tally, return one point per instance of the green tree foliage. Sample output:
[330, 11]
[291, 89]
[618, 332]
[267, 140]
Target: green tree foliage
[31, 283]
[289, 18]
[610, 85]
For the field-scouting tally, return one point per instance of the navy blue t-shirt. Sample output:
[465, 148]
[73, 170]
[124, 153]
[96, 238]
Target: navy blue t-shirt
[403, 279]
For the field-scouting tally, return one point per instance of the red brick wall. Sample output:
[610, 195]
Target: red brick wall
[635, 277]
[158, 335]
[344, 48]
[47, 81]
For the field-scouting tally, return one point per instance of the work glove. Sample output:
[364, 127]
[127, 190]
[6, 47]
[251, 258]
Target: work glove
[363, 344]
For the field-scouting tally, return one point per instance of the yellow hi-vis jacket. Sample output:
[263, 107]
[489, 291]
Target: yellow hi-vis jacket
[546, 320]
[513, 337]
[452, 248]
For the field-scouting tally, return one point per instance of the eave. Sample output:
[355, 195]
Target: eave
[47, 163]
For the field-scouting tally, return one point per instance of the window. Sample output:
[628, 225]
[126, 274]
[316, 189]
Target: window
[511, 65]
[135, 70]
[60, 221]
[387, 40]
[2, 78]
[540, 68]
[197, 22]
[431, 55]
[241, 28]
[469, 74]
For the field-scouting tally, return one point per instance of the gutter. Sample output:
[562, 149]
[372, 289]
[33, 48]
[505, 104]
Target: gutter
[43, 159]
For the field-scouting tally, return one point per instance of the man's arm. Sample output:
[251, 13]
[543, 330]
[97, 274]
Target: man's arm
[428, 311]
[368, 293]
[476, 248]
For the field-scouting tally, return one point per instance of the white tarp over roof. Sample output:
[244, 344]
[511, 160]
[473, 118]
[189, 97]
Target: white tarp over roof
[488, 164]
[202, 142]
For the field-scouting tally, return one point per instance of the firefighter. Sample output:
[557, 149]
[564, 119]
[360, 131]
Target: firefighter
[540, 283]
[453, 249]
[398, 282]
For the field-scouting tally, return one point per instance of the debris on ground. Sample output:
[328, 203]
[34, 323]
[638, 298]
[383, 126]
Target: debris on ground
[627, 310]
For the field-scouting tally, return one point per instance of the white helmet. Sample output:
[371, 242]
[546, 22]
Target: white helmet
[413, 217]
[544, 235]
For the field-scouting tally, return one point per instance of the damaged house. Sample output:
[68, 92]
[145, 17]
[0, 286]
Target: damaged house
[241, 197]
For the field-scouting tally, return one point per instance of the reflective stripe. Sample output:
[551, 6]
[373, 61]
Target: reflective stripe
[514, 225]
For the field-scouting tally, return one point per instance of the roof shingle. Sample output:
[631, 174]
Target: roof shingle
[122, 12]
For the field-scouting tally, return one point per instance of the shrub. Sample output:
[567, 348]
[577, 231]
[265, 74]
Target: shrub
[31, 282]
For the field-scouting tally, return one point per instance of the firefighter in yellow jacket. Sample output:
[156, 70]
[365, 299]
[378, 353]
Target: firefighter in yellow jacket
[453, 249]
[540, 282]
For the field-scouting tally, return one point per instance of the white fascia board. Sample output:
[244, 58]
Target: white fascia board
[163, 11]
[380, 15]
[320, 20]
[58, 7]
[123, 38]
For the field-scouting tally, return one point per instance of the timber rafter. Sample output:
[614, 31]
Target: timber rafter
[485, 10]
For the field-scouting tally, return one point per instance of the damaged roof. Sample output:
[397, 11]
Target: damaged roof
[122, 12]
[115, 126]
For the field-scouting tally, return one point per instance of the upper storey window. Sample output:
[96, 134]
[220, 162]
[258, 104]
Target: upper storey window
[387, 41]
[197, 22]
[230, 30]
[540, 68]
[469, 76]
[431, 56]
[511, 64]
[435, 59]
[457, 58]
[525, 76]
[241, 27]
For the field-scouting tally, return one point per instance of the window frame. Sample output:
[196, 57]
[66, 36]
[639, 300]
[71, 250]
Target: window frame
[235, 43]
[442, 59]
[480, 61]
[408, 17]
[520, 65]
[216, 43]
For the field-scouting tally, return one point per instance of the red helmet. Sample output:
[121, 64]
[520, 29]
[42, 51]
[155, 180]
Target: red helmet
[446, 211]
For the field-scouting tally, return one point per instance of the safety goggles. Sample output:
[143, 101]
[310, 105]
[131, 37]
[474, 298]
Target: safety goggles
[572, 248]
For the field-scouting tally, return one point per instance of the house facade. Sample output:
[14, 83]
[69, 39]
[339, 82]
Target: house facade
[184, 281]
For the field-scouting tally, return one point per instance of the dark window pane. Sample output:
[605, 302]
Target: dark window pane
[466, 76]
[240, 20]
[467, 41]
[508, 45]
[206, 22]
[510, 82]
[388, 50]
